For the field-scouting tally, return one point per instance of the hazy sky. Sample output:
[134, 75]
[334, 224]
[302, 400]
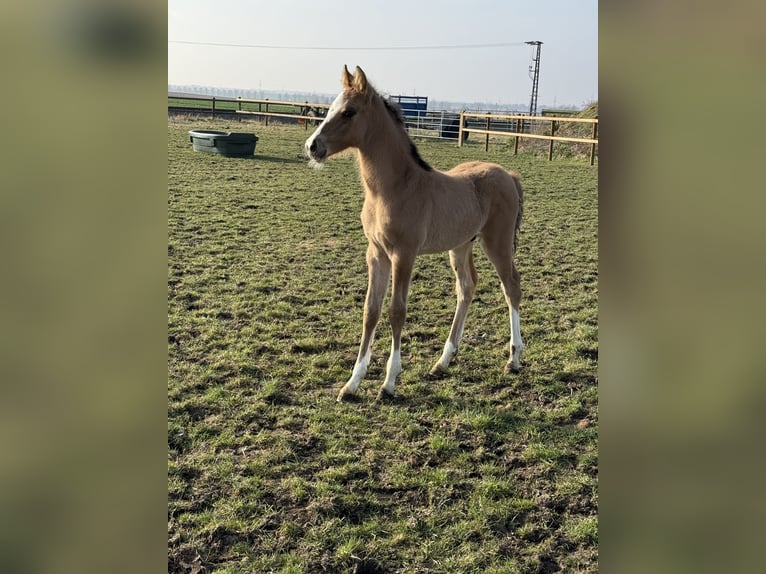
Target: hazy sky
[567, 28]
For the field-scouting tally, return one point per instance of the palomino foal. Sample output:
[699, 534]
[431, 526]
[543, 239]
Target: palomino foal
[410, 208]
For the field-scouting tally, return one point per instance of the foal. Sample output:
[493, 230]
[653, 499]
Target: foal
[410, 208]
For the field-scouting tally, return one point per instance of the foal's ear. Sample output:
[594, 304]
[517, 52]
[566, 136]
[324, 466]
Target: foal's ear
[347, 79]
[360, 81]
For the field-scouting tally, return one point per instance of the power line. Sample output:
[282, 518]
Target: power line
[379, 48]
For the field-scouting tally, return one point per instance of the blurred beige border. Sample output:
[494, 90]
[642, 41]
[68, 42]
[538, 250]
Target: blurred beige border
[682, 283]
[83, 233]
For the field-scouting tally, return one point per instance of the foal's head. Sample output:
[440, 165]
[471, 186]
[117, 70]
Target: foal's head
[348, 121]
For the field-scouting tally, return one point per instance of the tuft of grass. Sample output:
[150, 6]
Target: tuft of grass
[582, 529]
[476, 472]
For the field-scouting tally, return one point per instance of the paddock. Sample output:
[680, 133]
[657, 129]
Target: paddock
[479, 471]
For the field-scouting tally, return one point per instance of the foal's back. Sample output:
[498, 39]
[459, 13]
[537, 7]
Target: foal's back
[493, 184]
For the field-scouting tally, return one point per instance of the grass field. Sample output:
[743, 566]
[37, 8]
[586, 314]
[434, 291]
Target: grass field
[479, 472]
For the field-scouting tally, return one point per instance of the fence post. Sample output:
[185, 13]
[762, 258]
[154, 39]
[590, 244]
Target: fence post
[517, 138]
[460, 130]
[486, 137]
[550, 145]
[593, 146]
[441, 125]
[267, 112]
[212, 114]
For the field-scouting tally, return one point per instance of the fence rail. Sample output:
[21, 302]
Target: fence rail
[521, 131]
[320, 110]
[302, 112]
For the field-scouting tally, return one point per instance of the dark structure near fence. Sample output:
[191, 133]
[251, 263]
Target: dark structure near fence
[450, 129]
[412, 106]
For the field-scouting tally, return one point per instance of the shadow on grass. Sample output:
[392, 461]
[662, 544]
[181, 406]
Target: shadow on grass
[275, 159]
[268, 158]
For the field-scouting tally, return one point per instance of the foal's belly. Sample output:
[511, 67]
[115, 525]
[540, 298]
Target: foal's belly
[445, 241]
[451, 228]
[435, 231]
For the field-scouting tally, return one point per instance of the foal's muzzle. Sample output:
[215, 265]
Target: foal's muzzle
[316, 149]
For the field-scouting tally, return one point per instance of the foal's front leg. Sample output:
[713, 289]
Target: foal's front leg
[378, 271]
[398, 312]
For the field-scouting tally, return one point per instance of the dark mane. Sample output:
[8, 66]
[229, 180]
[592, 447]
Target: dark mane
[416, 156]
[396, 114]
[394, 109]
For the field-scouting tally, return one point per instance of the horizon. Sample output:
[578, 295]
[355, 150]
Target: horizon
[299, 96]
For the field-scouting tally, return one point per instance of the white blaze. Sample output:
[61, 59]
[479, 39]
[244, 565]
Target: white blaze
[335, 107]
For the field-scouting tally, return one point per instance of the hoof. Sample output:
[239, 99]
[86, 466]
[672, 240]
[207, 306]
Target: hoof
[438, 372]
[384, 395]
[345, 395]
[511, 369]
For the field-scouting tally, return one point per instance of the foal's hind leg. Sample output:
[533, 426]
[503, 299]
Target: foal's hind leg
[499, 249]
[461, 259]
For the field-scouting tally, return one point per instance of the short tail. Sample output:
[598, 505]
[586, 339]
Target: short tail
[520, 190]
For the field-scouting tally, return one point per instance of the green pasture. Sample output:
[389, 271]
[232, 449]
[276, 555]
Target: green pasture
[479, 472]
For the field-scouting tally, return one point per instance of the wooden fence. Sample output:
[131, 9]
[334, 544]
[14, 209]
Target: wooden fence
[263, 110]
[247, 106]
[517, 126]
[531, 122]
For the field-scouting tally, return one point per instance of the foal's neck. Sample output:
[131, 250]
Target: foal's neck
[386, 161]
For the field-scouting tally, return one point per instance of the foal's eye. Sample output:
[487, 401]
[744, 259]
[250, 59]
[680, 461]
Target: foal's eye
[348, 113]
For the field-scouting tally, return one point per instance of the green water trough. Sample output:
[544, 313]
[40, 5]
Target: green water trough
[229, 144]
